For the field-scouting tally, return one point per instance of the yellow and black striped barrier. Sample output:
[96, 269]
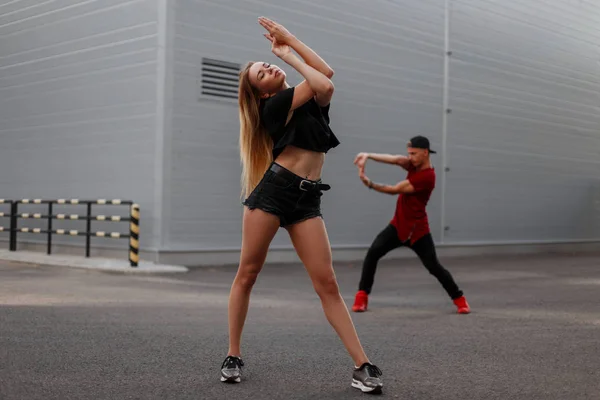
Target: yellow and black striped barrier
[133, 218]
[134, 235]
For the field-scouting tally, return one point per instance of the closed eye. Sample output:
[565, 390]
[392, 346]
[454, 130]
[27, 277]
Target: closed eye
[261, 74]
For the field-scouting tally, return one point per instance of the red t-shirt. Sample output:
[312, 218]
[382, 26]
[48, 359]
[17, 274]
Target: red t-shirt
[410, 218]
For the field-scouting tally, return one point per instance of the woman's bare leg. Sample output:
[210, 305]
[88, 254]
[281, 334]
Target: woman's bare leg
[312, 245]
[258, 231]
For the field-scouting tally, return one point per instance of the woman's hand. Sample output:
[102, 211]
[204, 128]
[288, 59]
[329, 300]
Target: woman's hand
[278, 48]
[276, 31]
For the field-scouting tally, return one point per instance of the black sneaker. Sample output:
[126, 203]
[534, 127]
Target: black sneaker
[231, 370]
[366, 378]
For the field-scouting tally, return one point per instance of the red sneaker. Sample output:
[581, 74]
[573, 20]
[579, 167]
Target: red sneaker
[360, 301]
[462, 305]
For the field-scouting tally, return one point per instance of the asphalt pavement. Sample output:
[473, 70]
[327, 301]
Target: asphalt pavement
[534, 333]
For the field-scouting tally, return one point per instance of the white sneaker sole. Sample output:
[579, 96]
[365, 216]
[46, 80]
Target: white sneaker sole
[365, 389]
[231, 380]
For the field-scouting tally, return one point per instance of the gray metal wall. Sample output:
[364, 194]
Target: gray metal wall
[524, 132]
[521, 138]
[78, 104]
[388, 60]
[102, 99]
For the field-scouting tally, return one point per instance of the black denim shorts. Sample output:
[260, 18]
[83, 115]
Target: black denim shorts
[290, 197]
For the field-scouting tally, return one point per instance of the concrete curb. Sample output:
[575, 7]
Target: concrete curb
[94, 263]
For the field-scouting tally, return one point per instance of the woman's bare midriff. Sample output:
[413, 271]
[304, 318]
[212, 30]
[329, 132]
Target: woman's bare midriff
[305, 163]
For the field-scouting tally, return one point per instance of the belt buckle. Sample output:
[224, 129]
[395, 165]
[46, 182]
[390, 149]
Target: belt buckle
[305, 181]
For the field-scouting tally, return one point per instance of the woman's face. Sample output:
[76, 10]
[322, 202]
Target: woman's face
[267, 78]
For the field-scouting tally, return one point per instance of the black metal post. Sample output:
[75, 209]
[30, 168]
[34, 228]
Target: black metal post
[88, 231]
[13, 225]
[49, 251]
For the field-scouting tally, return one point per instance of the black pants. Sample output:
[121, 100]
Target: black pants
[386, 241]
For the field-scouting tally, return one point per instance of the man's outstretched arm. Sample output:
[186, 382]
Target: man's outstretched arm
[394, 159]
[401, 187]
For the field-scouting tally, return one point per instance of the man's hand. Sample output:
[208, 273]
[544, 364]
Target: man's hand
[361, 159]
[364, 178]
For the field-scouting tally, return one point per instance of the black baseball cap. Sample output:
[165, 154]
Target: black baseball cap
[420, 142]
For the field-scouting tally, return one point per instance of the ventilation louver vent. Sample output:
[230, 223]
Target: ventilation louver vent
[220, 78]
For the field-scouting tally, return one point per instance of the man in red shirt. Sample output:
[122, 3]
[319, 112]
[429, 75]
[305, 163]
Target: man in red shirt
[409, 226]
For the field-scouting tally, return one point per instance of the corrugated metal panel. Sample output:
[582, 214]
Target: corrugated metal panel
[388, 58]
[78, 101]
[79, 111]
[524, 132]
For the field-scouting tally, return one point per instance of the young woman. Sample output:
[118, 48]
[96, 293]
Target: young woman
[284, 135]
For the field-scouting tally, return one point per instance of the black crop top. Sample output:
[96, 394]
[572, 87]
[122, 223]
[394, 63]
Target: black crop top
[308, 128]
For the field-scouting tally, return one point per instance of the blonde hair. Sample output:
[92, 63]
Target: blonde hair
[255, 142]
